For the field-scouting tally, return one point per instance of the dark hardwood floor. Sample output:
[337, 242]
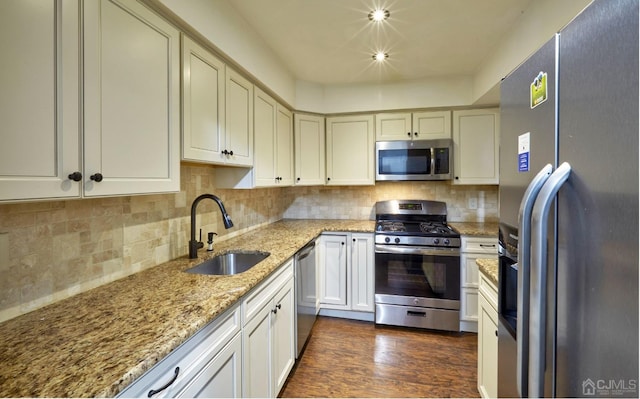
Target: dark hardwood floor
[348, 358]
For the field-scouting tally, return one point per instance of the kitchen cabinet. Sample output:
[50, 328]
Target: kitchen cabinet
[239, 119]
[203, 115]
[347, 271]
[207, 365]
[268, 334]
[40, 94]
[273, 148]
[488, 339]
[129, 138]
[309, 141]
[350, 150]
[476, 136]
[131, 100]
[472, 248]
[413, 126]
[217, 125]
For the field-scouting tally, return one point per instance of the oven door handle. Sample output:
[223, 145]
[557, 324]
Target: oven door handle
[411, 250]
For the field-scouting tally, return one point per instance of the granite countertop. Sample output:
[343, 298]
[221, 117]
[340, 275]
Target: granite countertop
[98, 342]
[475, 228]
[490, 269]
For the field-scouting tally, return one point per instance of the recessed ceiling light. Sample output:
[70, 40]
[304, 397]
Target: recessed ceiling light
[380, 56]
[379, 15]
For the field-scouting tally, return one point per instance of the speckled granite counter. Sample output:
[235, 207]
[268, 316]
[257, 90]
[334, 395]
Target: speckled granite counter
[98, 342]
[490, 269]
[475, 229]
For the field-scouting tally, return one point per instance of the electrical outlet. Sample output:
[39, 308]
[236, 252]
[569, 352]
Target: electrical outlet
[473, 203]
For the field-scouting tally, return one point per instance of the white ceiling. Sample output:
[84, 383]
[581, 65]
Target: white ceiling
[331, 41]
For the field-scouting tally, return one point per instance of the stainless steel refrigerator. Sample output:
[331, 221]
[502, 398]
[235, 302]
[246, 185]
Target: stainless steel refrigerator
[568, 277]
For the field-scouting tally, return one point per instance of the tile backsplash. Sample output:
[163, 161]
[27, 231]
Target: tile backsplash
[51, 250]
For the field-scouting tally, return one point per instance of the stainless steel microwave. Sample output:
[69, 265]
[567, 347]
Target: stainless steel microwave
[414, 160]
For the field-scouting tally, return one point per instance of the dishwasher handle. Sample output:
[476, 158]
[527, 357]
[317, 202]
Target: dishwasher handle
[305, 251]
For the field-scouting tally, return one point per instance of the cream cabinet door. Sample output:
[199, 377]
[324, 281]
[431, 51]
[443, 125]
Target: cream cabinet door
[332, 260]
[393, 126]
[283, 338]
[239, 119]
[487, 349]
[264, 165]
[39, 89]
[475, 146]
[203, 104]
[362, 272]
[131, 100]
[431, 125]
[350, 150]
[309, 150]
[256, 356]
[284, 146]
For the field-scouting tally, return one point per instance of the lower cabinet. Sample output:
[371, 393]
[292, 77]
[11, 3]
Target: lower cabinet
[472, 248]
[268, 335]
[487, 339]
[248, 351]
[209, 364]
[346, 264]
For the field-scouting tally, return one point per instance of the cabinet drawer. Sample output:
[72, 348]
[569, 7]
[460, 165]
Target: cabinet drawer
[481, 245]
[205, 344]
[264, 292]
[489, 291]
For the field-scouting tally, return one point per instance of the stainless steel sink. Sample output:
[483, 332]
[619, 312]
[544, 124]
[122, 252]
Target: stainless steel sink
[229, 263]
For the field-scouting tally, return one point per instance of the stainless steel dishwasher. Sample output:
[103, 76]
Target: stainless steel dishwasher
[306, 297]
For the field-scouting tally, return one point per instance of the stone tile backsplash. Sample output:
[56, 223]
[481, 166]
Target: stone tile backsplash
[51, 250]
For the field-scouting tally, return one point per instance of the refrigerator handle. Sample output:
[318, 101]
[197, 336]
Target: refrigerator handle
[524, 242]
[538, 320]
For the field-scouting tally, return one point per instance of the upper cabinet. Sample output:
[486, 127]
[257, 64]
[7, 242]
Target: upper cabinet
[217, 111]
[309, 150]
[39, 91]
[273, 143]
[476, 136]
[350, 150]
[239, 120]
[413, 126]
[129, 141]
[203, 113]
[131, 100]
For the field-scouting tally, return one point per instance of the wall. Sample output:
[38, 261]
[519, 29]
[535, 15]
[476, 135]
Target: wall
[464, 203]
[52, 250]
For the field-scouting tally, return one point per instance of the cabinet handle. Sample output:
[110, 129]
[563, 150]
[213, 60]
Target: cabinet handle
[279, 306]
[231, 153]
[488, 245]
[496, 333]
[97, 177]
[275, 309]
[165, 386]
[75, 176]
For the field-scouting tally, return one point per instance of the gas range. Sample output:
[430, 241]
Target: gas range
[415, 223]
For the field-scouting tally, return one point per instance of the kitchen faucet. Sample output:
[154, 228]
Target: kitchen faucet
[194, 245]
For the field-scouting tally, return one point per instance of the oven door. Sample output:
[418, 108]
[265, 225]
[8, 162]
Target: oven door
[416, 276]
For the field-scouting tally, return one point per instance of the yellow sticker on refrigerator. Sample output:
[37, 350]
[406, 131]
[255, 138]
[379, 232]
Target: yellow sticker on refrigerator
[539, 90]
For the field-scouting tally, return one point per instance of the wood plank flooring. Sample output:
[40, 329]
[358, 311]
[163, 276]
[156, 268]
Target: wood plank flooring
[348, 358]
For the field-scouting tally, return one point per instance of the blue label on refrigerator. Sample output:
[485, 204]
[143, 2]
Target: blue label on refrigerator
[524, 148]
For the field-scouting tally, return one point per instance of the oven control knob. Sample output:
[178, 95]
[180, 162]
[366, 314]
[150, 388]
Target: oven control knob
[397, 240]
[446, 241]
[387, 239]
[436, 241]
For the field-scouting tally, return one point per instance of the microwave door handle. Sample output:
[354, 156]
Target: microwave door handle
[433, 160]
[524, 241]
[537, 317]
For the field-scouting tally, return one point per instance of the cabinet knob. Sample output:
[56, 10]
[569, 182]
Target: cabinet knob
[409, 134]
[496, 333]
[298, 179]
[231, 153]
[328, 179]
[354, 240]
[342, 243]
[415, 133]
[456, 177]
[97, 177]
[75, 176]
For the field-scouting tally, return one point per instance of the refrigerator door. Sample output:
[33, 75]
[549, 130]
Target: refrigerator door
[597, 267]
[517, 119]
